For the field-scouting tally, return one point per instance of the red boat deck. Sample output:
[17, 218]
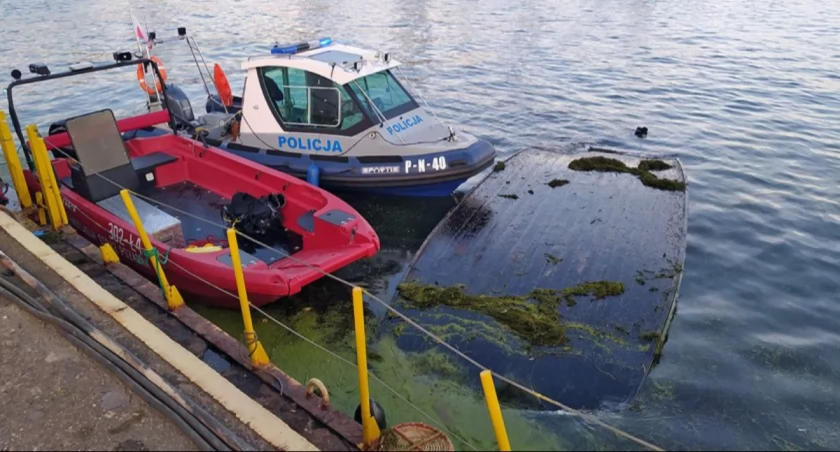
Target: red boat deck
[202, 203]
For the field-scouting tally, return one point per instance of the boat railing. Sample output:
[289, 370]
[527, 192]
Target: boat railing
[197, 56]
[419, 96]
[41, 72]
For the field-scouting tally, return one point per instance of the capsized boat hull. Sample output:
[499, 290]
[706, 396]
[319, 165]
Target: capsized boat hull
[573, 278]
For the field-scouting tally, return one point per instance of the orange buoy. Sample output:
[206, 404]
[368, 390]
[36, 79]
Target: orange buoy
[222, 85]
[141, 77]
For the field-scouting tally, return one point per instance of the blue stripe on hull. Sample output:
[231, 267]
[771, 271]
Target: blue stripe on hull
[437, 190]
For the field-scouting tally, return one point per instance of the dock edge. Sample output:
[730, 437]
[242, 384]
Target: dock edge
[264, 423]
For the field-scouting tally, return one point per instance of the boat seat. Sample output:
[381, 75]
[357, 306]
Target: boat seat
[143, 166]
[104, 166]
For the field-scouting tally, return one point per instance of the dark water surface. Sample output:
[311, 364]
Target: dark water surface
[745, 92]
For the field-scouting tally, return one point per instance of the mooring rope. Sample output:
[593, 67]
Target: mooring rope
[329, 352]
[147, 255]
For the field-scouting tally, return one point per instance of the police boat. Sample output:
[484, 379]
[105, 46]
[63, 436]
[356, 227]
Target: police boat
[336, 115]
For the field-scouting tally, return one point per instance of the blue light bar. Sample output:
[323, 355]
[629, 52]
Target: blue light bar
[292, 49]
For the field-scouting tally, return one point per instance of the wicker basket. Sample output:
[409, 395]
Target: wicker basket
[413, 436]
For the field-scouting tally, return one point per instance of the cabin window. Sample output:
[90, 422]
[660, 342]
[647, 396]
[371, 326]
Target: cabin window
[303, 101]
[386, 93]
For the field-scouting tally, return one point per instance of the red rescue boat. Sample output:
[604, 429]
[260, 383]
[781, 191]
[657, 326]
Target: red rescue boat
[186, 194]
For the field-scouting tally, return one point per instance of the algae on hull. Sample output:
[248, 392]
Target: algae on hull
[538, 323]
[553, 183]
[643, 171]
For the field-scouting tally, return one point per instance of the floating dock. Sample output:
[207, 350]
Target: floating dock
[578, 269]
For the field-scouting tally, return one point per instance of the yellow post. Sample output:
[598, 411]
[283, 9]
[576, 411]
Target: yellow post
[109, 256]
[370, 429]
[495, 410]
[54, 183]
[44, 168]
[173, 297]
[39, 202]
[255, 349]
[38, 145]
[13, 162]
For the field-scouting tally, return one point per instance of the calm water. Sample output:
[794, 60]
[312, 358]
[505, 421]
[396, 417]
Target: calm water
[745, 92]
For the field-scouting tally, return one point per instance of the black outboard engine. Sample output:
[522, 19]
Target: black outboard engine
[179, 106]
[255, 217]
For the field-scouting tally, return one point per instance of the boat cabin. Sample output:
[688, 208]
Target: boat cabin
[331, 91]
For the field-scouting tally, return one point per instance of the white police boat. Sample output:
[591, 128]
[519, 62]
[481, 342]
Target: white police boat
[336, 115]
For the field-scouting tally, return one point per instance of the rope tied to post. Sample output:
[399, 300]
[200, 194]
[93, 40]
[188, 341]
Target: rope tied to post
[250, 341]
[146, 256]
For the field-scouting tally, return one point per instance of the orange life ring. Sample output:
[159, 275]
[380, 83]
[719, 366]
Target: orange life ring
[141, 77]
[222, 85]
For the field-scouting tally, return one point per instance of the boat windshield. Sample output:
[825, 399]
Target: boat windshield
[386, 93]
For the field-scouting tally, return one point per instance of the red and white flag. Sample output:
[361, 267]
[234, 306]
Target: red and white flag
[140, 34]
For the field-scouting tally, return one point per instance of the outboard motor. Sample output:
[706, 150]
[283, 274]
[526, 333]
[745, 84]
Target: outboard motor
[179, 106]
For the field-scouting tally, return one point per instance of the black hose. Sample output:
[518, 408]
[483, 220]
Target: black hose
[202, 437]
[211, 428]
[99, 354]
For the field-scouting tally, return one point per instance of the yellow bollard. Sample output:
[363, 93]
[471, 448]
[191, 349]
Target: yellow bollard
[173, 297]
[44, 168]
[38, 145]
[370, 429]
[54, 183]
[13, 163]
[495, 410]
[39, 201]
[255, 349]
[109, 256]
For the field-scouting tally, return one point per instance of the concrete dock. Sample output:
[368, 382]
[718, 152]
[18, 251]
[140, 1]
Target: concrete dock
[54, 396]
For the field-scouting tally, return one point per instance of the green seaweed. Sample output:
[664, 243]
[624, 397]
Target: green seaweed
[650, 180]
[446, 398]
[597, 289]
[643, 171]
[51, 237]
[552, 259]
[499, 166]
[621, 329]
[538, 323]
[509, 196]
[557, 183]
[654, 165]
[650, 336]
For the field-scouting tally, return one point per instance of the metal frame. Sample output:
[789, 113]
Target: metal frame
[70, 73]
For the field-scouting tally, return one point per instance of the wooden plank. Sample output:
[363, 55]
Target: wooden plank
[601, 226]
